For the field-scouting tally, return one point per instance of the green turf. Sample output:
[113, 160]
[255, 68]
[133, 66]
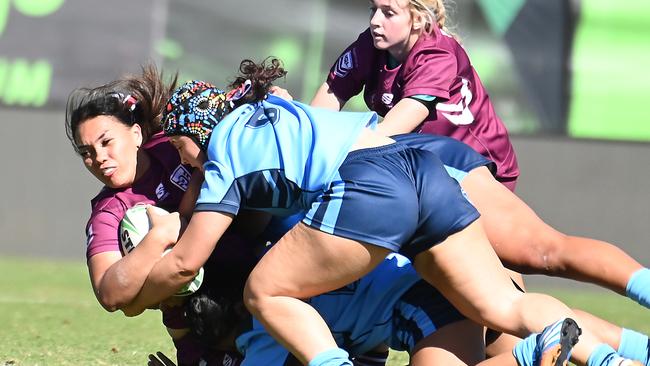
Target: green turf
[49, 316]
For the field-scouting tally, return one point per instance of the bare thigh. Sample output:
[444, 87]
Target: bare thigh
[465, 269]
[307, 262]
[517, 234]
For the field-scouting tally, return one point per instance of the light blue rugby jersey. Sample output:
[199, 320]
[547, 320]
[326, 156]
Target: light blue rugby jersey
[359, 314]
[276, 155]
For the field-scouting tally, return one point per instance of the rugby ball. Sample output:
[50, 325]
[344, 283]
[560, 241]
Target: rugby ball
[134, 226]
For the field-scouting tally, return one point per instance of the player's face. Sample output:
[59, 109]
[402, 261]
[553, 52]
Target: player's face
[391, 26]
[189, 151]
[109, 150]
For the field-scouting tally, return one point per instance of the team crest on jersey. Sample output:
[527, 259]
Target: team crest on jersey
[181, 178]
[161, 192]
[387, 98]
[344, 64]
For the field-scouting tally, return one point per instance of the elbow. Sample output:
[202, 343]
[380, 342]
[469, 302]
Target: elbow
[108, 307]
[131, 312]
[115, 293]
[109, 303]
[112, 305]
[187, 268]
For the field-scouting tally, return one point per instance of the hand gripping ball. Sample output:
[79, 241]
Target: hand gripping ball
[134, 226]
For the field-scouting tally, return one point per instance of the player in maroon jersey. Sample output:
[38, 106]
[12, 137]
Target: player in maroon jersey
[115, 129]
[427, 60]
[417, 75]
[419, 78]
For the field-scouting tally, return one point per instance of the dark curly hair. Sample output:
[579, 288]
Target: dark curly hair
[132, 99]
[262, 75]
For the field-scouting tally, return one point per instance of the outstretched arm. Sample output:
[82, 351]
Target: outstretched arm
[404, 117]
[325, 98]
[183, 262]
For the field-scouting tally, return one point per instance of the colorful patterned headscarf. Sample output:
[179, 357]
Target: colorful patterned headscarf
[194, 110]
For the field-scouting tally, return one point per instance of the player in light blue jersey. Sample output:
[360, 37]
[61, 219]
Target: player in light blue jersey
[391, 304]
[365, 195]
[460, 161]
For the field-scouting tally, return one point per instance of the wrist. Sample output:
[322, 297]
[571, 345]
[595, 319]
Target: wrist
[157, 238]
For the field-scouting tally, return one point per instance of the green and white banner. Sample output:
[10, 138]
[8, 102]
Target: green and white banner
[49, 47]
[562, 67]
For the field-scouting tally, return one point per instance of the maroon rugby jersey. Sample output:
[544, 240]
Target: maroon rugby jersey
[162, 185]
[436, 66]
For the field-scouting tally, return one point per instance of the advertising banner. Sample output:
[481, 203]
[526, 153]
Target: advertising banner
[49, 47]
[561, 67]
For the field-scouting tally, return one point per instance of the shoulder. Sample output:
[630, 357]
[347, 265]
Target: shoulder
[163, 153]
[365, 37]
[107, 205]
[364, 46]
[155, 140]
[160, 148]
[105, 200]
[429, 51]
[115, 202]
[360, 53]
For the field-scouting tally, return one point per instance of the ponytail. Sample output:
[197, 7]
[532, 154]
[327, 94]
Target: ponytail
[260, 76]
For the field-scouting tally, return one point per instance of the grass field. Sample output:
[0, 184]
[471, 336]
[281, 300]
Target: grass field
[49, 316]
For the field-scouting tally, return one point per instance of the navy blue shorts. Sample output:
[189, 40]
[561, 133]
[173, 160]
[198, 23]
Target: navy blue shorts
[395, 197]
[419, 313]
[459, 158]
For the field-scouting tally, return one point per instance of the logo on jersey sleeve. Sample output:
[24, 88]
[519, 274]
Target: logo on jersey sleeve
[459, 113]
[161, 192]
[181, 178]
[89, 235]
[344, 64]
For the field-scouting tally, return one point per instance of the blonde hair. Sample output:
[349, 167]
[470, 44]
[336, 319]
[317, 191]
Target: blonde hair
[433, 12]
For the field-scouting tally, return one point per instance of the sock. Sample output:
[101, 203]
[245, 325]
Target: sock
[333, 357]
[634, 345]
[524, 350]
[371, 358]
[638, 288]
[604, 355]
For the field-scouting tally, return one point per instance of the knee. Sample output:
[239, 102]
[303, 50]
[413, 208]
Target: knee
[543, 251]
[261, 290]
[500, 314]
[254, 296]
[507, 313]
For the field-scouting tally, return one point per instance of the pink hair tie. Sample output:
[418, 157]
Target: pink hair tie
[238, 92]
[130, 102]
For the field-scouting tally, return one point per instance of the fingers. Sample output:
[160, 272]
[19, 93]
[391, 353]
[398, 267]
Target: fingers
[280, 92]
[159, 360]
[159, 217]
[157, 211]
[153, 361]
[166, 361]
